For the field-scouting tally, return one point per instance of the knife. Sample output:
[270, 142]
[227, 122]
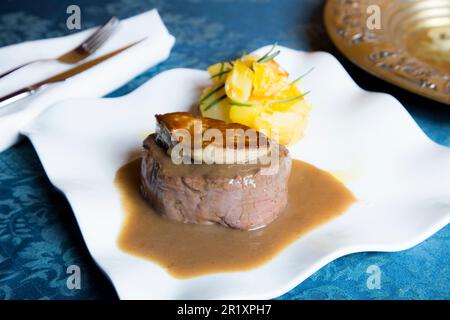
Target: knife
[38, 86]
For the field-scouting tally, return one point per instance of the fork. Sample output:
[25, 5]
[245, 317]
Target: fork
[84, 50]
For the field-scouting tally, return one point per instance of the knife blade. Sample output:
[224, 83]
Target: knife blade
[32, 89]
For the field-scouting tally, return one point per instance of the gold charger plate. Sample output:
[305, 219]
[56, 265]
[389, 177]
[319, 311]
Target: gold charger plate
[408, 46]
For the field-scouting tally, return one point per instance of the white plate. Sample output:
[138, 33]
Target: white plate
[401, 178]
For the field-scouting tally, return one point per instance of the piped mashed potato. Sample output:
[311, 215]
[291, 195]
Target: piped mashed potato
[255, 91]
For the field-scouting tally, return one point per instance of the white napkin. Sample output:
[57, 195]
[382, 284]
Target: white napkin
[94, 82]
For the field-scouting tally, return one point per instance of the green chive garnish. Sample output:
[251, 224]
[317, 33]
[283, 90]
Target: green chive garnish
[291, 99]
[209, 94]
[268, 53]
[218, 74]
[240, 104]
[212, 104]
[222, 65]
[269, 57]
[303, 75]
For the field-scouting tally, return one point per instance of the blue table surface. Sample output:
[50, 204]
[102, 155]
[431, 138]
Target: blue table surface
[39, 237]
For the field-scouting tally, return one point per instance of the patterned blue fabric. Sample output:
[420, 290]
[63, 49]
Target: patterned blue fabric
[39, 237]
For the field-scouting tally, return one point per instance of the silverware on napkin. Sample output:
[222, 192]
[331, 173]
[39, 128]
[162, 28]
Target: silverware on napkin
[84, 50]
[38, 86]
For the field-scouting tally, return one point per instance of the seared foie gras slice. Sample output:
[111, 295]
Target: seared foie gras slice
[209, 141]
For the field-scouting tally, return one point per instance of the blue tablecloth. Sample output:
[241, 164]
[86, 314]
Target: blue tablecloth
[39, 237]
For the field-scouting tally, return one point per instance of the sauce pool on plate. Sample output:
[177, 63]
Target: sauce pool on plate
[189, 250]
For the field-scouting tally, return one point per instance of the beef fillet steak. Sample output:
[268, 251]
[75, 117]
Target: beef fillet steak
[234, 195]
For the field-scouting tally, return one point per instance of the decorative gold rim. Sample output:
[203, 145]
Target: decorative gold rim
[384, 53]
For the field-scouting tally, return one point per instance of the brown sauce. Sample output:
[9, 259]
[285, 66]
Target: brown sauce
[188, 250]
